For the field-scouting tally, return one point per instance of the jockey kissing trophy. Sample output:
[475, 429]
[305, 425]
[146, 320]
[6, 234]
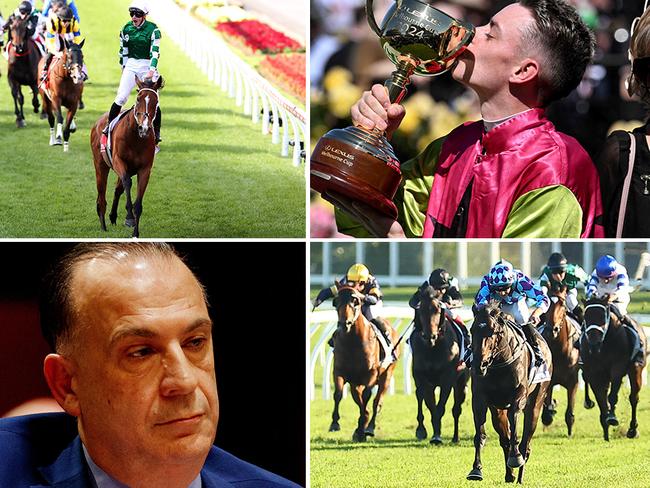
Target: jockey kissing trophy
[360, 163]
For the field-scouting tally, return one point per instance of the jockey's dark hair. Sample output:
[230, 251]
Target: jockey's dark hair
[57, 307]
[563, 42]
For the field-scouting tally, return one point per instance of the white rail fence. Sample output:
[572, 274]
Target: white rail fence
[323, 323]
[279, 117]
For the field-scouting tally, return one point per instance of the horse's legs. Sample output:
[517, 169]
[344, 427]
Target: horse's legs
[126, 183]
[101, 176]
[420, 391]
[66, 129]
[612, 399]
[382, 386]
[445, 390]
[17, 94]
[143, 181]
[636, 379]
[58, 113]
[119, 189]
[358, 393]
[515, 459]
[338, 394]
[500, 424]
[480, 411]
[429, 397]
[571, 392]
[588, 403]
[531, 415]
[459, 398]
[600, 392]
[35, 103]
[549, 410]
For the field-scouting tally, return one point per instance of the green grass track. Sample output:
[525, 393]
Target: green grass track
[215, 176]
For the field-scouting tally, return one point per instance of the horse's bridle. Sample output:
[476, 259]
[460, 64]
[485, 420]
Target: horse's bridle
[146, 113]
[357, 309]
[441, 320]
[495, 352]
[601, 328]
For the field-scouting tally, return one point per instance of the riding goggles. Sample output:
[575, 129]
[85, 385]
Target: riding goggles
[498, 288]
[136, 12]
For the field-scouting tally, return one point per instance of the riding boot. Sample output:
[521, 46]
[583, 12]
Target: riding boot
[156, 125]
[385, 331]
[531, 337]
[46, 65]
[467, 346]
[638, 353]
[114, 112]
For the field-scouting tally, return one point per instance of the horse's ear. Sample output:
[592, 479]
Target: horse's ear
[66, 43]
[137, 81]
[81, 44]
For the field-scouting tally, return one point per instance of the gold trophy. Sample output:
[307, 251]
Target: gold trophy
[361, 163]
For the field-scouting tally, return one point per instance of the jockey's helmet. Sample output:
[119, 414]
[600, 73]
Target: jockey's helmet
[25, 8]
[606, 266]
[64, 14]
[139, 6]
[501, 276]
[557, 262]
[439, 279]
[357, 272]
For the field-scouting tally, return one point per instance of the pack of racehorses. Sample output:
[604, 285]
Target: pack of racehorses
[132, 139]
[504, 380]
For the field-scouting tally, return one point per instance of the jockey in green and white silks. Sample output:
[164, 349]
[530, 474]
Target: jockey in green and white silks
[138, 56]
[559, 272]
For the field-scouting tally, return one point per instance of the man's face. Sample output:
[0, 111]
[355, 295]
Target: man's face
[145, 376]
[492, 57]
[504, 292]
[558, 275]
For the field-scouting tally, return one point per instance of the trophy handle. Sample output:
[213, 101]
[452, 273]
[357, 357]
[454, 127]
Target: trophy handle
[371, 18]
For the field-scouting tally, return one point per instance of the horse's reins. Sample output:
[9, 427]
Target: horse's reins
[605, 327]
[357, 310]
[518, 351]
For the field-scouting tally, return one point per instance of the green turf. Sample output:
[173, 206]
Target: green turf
[216, 175]
[394, 458]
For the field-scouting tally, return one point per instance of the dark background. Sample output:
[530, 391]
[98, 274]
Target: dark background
[257, 296]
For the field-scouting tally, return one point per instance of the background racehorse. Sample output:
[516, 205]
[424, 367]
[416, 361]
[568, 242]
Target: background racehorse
[22, 69]
[606, 348]
[63, 88]
[560, 335]
[357, 360]
[133, 150]
[500, 382]
[436, 352]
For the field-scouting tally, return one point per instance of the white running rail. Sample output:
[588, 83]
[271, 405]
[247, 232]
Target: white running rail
[223, 67]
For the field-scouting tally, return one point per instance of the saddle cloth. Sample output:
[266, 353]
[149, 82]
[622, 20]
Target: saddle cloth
[536, 374]
[107, 152]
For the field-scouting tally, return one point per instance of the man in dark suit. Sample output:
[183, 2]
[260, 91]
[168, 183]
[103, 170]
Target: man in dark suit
[134, 370]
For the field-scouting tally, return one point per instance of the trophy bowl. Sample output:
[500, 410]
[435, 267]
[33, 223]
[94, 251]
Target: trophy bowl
[360, 163]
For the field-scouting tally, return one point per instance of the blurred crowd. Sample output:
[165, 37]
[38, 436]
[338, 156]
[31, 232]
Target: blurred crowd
[346, 59]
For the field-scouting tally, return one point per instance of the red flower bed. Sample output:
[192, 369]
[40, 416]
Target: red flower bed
[287, 70]
[257, 37]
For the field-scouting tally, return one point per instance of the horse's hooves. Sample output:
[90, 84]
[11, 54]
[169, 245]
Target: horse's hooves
[358, 437]
[589, 404]
[35, 110]
[475, 475]
[515, 461]
[509, 478]
[454, 440]
[58, 142]
[547, 417]
[129, 222]
[20, 124]
[421, 433]
[66, 147]
[370, 432]
[43, 116]
[437, 440]
[632, 434]
[335, 427]
[612, 420]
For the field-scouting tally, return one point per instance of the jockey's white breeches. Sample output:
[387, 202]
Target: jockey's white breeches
[519, 311]
[133, 68]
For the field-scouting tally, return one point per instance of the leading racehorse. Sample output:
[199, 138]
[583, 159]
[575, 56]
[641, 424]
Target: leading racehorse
[133, 149]
[560, 334]
[358, 361]
[436, 354]
[22, 69]
[606, 349]
[63, 88]
[501, 382]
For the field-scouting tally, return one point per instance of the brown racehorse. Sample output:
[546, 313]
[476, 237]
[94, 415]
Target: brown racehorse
[133, 149]
[606, 348]
[560, 335]
[357, 360]
[63, 88]
[22, 68]
[436, 353]
[500, 382]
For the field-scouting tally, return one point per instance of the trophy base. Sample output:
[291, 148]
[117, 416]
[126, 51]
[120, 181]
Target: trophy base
[359, 165]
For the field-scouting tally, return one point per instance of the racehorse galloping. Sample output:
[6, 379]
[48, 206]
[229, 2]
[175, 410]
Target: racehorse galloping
[22, 69]
[606, 348]
[63, 88]
[133, 150]
[500, 382]
[357, 361]
[436, 352]
[560, 334]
